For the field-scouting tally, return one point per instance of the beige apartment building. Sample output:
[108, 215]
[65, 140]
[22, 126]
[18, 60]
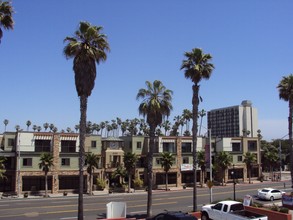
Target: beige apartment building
[24, 148]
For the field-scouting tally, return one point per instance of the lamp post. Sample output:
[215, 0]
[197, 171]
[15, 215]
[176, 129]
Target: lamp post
[280, 155]
[211, 168]
[234, 183]
[18, 165]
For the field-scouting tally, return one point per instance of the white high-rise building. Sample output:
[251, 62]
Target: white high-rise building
[234, 121]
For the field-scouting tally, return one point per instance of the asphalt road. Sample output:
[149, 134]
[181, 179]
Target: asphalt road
[65, 208]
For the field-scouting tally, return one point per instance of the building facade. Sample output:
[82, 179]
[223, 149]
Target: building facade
[234, 121]
[23, 149]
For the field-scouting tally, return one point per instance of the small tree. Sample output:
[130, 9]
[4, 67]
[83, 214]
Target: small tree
[167, 161]
[2, 167]
[46, 162]
[202, 165]
[92, 162]
[249, 160]
[223, 161]
[129, 160]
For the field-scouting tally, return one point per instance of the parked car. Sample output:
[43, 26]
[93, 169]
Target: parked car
[173, 216]
[229, 210]
[270, 194]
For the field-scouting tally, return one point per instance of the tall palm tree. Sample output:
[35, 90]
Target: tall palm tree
[249, 160]
[201, 114]
[6, 20]
[286, 93]
[46, 126]
[223, 161]
[156, 103]
[186, 116]
[2, 167]
[28, 124]
[87, 47]
[92, 162]
[167, 161]
[17, 127]
[5, 124]
[130, 160]
[46, 162]
[196, 67]
[51, 126]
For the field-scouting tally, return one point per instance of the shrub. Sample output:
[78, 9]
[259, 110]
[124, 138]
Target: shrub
[138, 183]
[101, 183]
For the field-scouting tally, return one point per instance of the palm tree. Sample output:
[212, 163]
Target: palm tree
[129, 160]
[5, 124]
[51, 126]
[2, 167]
[92, 162]
[35, 127]
[167, 161]
[186, 116]
[249, 160]
[286, 93]
[156, 103]
[28, 124]
[120, 173]
[6, 20]
[202, 165]
[46, 126]
[196, 67]
[17, 127]
[46, 162]
[223, 161]
[76, 127]
[86, 47]
[201, 114]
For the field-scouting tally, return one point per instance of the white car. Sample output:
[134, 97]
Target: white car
[270, 194]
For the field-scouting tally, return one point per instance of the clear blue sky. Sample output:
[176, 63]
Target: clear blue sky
[251, 43]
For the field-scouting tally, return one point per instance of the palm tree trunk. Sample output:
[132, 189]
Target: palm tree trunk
[166, 174]
[129, 182]
[249, 174]
[195, 103]
[82, 131]
[91, 183]
[290, 138]
[150, 170]
[46, 185]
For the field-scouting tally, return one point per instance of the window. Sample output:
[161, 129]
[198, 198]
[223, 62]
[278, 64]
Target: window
[138, 145]
[11, 142]
[186, 147]
[236, 147]
[169, 147]
[94, 144]
[27, 162]
[185, 159]
[252, 145]
[218, 206]
[158, 161]
[42, 145]
[239, 158]
[65, 162]
[68, 146]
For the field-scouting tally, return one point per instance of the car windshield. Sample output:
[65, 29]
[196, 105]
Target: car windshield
[265, 190]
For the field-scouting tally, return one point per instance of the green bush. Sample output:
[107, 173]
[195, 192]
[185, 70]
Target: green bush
[101, 183]
[138, 183]
[284, 210]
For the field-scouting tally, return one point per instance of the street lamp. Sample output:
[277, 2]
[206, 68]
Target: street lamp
[280, 154]
[234, 183]
[211, 168]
